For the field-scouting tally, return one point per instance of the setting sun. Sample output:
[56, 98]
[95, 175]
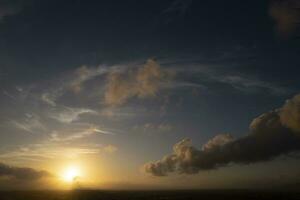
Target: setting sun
[71, 173]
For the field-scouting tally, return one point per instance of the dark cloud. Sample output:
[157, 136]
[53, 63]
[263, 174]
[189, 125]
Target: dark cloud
[10, 7]
[286, 14]
[22, 173]
[271, 134]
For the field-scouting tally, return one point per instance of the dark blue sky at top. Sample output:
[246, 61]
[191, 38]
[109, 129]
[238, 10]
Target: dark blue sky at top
[50, 36]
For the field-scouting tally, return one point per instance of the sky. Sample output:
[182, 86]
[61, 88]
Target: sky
[173, 94]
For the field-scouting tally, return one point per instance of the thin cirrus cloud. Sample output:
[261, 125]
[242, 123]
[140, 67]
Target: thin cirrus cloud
[69, 114]
[271, 134]
[210, 74]
[175, 10]
[249, 85]
[31, 124]
[63, 144]
[91, 130]
[84, 74]
[154, 127]
[52, 150]
[110, 149]
[73, 82]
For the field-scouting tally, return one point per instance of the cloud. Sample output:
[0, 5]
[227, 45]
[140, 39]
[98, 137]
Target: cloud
[218, 140]
[50, 150]
[85, 132]
[175, 10]
[10, 7]
[110, 149]
[172, 12]
[142, 82]
[31, 124]
[84, 74]
[73, 81]
[114, 112]
[271, 134]
[210, 74]
[154, 127]
[286, 15]
[290, 114]
[63, 143]
[69, 114]
[179, 6]
[246, 84]
[49, 98]
[22, 173]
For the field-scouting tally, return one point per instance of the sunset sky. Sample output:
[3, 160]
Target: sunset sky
[129, 94]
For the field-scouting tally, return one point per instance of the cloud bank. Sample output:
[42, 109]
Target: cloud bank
[271, 134]
[22, 173]
[142, 82]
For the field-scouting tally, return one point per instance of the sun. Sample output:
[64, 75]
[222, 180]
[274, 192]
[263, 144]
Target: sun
[71, 173]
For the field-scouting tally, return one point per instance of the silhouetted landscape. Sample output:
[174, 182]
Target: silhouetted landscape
[150, 195]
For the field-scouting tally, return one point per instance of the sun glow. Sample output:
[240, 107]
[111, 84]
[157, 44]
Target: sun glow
[71, 173]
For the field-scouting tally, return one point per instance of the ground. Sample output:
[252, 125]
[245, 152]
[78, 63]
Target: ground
[149, 195]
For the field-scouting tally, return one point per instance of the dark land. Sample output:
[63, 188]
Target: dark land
[150, 195]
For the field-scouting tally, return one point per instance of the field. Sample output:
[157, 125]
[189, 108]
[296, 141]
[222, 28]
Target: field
[148, 195]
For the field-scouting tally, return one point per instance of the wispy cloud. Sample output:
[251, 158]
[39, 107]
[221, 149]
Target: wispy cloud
[63, 143]
[110, 148]
[9, 95]
[91, 130]
[50, 98]
[207, 75]
[249, 85]
[176, 9]
[69, 114]
[142, 82]
[180, 6]
[154, 127]
[72, 81]
[51, 151]
[31, 124]
[84, 74]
